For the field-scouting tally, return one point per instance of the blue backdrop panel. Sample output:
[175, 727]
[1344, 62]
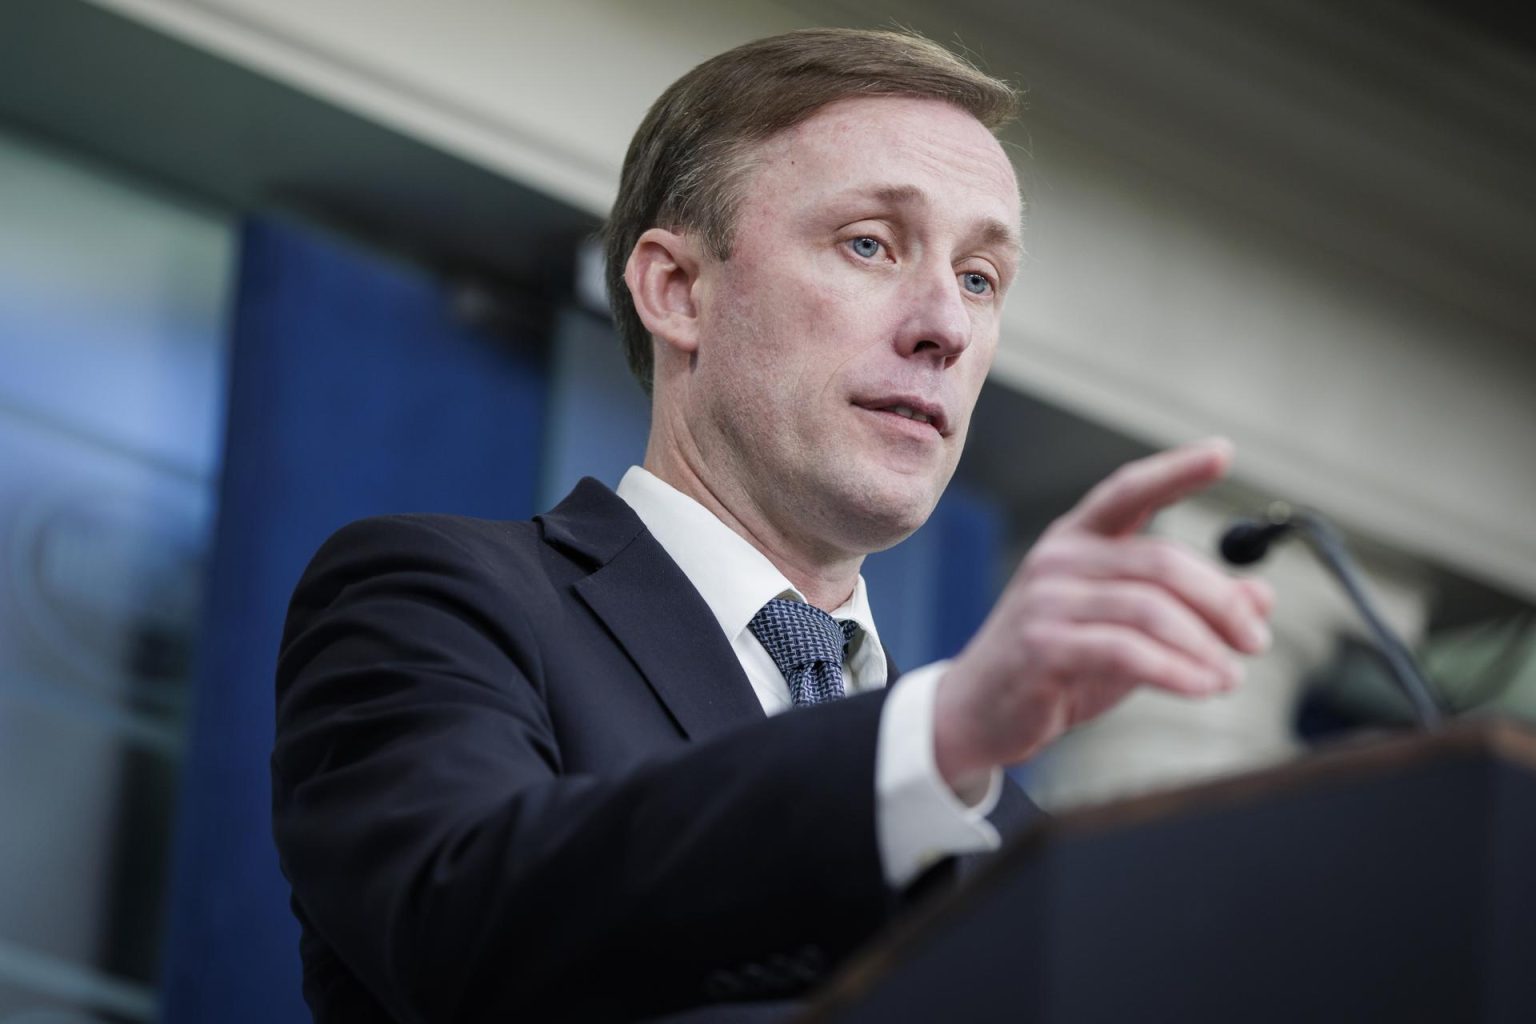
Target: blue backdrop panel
[931, 592]
[353, 391]
[969, 540]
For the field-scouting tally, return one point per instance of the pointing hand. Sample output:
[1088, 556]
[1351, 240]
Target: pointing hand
[1095, 610]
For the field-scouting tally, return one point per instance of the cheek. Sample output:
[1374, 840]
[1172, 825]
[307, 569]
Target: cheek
[792, 326]
[777, 323]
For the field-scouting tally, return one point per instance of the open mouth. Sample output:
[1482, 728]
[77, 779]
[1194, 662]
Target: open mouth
[925, 413]
[907, 412]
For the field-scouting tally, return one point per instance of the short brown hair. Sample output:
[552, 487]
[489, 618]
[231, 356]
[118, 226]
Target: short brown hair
[688, 160]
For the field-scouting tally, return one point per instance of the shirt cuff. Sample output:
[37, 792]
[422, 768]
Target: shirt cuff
[919, 819]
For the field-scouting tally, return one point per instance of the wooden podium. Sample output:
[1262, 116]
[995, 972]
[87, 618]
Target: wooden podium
[1390, 880]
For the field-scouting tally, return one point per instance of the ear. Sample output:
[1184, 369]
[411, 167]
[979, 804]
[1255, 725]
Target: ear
[662, 274]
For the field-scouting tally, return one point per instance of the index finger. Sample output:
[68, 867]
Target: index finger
[1123, 502]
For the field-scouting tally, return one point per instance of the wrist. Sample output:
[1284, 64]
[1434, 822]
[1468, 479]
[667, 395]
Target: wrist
[955, 746]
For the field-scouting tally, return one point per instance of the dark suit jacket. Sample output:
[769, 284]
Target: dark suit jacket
[520, 774]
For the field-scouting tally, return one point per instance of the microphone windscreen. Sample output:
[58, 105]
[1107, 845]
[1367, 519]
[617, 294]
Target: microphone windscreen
[1247, 541]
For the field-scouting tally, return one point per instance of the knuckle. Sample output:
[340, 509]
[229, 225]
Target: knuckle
[1153, 616]
[1053, 555]
[1052, 650]
[1120, 657]
[1165, 560]
[1122, 477]
[1107, 492]
[1228, 611]
[1046, 640]
[1136, 605]
[1054, 594]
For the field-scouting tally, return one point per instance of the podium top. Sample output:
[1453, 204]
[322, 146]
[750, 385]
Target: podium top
[1493, 739]
[1364, 797]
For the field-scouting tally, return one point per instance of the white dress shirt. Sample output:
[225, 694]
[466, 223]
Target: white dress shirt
[919, 818]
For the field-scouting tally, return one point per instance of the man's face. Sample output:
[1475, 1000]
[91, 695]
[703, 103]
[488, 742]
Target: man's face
[844, 343]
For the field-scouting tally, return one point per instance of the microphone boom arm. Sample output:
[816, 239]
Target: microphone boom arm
[1248, 541]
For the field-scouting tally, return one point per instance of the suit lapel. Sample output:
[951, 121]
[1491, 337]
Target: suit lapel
[654, 612]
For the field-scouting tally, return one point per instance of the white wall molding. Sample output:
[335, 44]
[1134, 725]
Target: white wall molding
[1301, 225]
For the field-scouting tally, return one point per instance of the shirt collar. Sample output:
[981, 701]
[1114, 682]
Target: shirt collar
[734, 578]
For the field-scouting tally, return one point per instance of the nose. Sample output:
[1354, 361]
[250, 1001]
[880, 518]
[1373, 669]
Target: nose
[938, 323]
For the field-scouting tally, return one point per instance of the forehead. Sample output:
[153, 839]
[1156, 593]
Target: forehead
[922, 148]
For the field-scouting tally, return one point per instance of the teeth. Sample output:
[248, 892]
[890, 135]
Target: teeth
[902, 410]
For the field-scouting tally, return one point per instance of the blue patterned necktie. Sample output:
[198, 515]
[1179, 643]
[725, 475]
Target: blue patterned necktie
[807, 644]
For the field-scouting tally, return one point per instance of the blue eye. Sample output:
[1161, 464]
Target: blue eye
[976, 284]
[866, 247]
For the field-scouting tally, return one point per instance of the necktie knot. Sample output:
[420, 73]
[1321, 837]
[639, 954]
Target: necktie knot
[807, 645]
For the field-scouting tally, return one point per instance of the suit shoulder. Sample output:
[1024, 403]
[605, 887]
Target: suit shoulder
[423, 532]
[437, 545]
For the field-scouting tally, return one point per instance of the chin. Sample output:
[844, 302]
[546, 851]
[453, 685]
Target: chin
[885, 510]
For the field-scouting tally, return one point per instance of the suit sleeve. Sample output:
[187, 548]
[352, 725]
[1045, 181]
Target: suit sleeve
[434, 843]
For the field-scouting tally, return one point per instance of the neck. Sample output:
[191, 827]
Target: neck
[824, 575]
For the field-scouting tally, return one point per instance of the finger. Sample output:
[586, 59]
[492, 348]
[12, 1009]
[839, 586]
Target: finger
[1222, 601]
[1100, 655]
[1260, 594]
[1123, 502]
[1144, 607]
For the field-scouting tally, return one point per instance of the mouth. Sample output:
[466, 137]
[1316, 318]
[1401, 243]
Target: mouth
[916, 410]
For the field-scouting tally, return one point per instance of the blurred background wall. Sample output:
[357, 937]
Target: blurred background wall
[264, 262]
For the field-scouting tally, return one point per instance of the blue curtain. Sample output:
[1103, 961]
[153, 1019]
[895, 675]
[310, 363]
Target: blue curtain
[353, 390]
[931, 592]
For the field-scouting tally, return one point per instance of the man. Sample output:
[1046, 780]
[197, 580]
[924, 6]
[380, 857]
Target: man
[539, 770]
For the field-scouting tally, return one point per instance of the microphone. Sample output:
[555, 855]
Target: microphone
[1247, 541]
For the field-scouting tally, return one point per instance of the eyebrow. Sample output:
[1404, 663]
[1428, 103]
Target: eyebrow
[993, 231]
